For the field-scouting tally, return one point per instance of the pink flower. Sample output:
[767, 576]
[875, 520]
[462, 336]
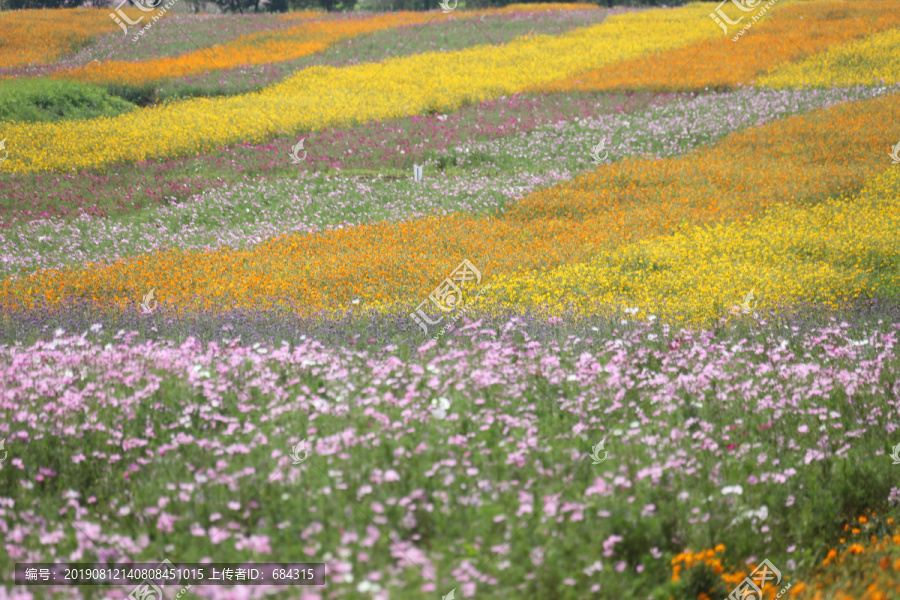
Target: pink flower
[600, 487]
[609, 543]
[254, 543]
[166, 522]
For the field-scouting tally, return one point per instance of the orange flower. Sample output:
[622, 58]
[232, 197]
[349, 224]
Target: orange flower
[856, 549]
[601, 210]
[61, 31]
[250, 49]
[863, 520]
[813, 29]
[313, 35]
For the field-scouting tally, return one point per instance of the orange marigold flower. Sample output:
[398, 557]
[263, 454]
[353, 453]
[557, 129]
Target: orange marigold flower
[854, 531]
[798, 589]
[720, 548]
[863, 520]
[856, 548]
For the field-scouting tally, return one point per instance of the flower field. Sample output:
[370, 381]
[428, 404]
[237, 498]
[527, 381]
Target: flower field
[634, 334]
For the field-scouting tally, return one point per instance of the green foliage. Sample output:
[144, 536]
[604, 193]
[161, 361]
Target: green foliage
[141, 95]
[329, 5]
[49, 100]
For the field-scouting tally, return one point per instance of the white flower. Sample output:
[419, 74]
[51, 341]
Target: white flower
[762, 514]
[732, 489]
[367, 586]
[439, 407]
[59, 332]
[96, 327]
[632, 311]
